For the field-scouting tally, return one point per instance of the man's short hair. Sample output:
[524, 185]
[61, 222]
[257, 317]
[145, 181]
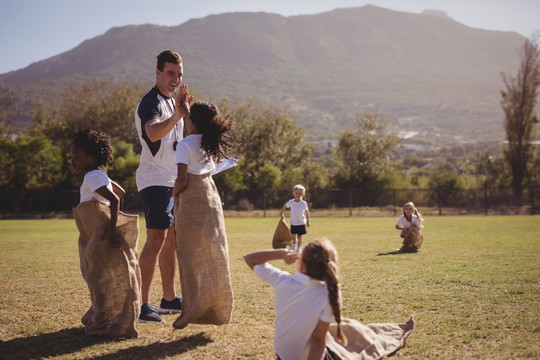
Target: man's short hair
[168, 56]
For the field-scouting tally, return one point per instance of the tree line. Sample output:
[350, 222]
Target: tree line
[273, 152]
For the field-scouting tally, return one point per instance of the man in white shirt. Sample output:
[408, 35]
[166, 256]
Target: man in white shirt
[159, 122]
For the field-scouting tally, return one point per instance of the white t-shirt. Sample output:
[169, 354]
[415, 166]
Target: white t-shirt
[189, 152]
[298, 209]
[93, 180]
[404, 223]
[157, 167]
[300, 303]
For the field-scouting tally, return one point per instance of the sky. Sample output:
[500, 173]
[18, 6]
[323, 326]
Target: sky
[35, 30]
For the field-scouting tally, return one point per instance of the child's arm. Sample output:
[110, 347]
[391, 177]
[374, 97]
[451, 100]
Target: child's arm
[307, 218]
[398, 227]
[181, 180]
[317, 343]
[282, 210]
[260, 257]
[118, 190]
[115, 207]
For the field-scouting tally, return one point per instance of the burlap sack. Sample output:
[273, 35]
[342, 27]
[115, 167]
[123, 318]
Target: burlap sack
[412, 239]
[112, 274]
[203, 254]
[282, 235]
[368, 342]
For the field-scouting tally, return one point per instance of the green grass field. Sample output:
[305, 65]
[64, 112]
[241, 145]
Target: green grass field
[474, 291]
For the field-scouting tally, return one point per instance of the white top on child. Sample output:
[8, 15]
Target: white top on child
[298, 208]
[300, 303]
[93, 180]
[189, 152]
[404, 223]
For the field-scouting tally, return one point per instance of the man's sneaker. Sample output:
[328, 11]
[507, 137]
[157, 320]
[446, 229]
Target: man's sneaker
[149, 314]
[170, 307]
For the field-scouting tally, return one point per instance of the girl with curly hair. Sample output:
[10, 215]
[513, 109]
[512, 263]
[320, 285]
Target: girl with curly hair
[91, 150]
[107, 242]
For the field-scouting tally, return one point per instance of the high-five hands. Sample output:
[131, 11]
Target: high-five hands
[183, 100]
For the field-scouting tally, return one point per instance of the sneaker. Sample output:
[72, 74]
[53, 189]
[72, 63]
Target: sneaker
[293, 246]
[149, 314]
[170, 307]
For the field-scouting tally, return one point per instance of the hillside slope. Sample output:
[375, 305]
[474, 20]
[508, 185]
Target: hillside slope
[421, 72]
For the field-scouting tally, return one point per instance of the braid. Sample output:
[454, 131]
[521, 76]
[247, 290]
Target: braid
[332, 284]
[320, 261]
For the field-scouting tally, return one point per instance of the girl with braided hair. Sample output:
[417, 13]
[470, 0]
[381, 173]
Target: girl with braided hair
[307, 302]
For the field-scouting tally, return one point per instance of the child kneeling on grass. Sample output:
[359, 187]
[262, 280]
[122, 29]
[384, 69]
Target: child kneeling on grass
[308, 321]
[107, 242]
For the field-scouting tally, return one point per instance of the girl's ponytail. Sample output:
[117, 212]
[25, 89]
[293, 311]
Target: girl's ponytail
[321, 263]
[332, 283]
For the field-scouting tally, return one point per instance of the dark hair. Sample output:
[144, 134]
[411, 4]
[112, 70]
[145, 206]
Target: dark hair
[168, 56]
[94, 143]
[217, 141]
[321, 263]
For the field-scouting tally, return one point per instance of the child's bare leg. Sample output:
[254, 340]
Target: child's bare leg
[299, 242]
[293, 242]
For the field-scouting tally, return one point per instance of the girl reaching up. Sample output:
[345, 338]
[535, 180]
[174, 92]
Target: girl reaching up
[199, 225]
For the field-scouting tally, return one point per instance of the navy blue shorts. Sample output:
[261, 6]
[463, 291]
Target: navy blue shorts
[158, 206]
[298, 229]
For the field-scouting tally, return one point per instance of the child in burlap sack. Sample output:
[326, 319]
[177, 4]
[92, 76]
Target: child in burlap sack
[199, 225]
[410, 224]
[107, 242]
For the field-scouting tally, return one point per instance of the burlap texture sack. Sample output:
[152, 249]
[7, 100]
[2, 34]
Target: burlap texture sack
[412, 238]
[112, 274]
[282, 235]
[203, 254]
[368, 342]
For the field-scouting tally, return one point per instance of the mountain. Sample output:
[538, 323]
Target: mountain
[424, 73]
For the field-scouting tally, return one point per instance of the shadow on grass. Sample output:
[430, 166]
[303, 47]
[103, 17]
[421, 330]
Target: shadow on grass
[395, 252]
[72, 340]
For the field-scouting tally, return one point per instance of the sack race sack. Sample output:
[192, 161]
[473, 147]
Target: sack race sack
[412, 239]
[203, 254]
[368, 342]
[282, 235]
[112, 274]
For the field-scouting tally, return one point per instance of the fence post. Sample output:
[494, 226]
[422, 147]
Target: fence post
[485, 198]
[395, 205]
[264, 203]
[532, 200]
[440, 201]
[350, 202]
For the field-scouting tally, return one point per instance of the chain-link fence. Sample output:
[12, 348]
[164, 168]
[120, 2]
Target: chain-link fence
[351, 202]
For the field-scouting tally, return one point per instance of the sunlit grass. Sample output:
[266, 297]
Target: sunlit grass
[474, 290]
